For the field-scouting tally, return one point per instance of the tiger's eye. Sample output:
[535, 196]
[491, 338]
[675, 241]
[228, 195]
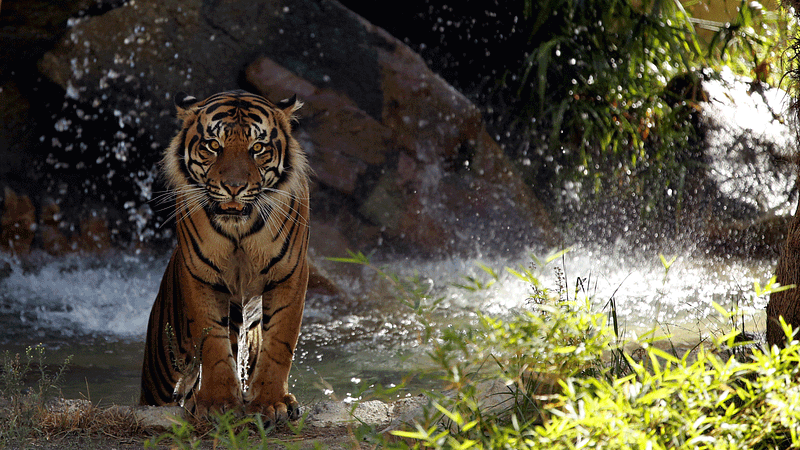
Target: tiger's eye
[214, 145]
[257, 147]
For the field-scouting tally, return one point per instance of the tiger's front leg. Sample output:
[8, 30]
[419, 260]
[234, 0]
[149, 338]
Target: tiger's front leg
[268, 392]
[218, 387]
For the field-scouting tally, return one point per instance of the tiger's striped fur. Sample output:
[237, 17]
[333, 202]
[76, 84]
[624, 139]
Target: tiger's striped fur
[240, 183]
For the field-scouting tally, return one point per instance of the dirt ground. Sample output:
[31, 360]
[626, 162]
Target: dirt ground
[79, 424]
[332, 438]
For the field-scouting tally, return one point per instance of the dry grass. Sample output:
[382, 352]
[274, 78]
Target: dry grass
[81, 417]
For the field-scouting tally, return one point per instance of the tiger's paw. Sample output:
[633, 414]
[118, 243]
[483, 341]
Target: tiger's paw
[279, 412]
[207, 407]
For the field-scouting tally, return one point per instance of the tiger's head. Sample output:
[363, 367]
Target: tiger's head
[235, 157]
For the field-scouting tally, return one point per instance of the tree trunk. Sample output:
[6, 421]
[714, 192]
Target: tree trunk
[786, 303]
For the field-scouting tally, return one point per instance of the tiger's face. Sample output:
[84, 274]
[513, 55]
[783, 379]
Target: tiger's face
[234, 157]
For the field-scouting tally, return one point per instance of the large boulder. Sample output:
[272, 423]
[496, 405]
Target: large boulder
[28, 29]
[399, 155]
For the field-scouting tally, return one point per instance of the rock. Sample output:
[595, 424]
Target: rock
[399, 155]
[158, 418]
[320, 284]
[5, 270]
[95, 235]
[442, 167]
[18, 223]
[29, 28]
[15, 128]
[380, 414]
[53, 241]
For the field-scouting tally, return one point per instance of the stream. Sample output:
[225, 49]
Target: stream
[96, 309]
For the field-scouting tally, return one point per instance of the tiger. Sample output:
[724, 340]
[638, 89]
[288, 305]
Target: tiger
[225, 323]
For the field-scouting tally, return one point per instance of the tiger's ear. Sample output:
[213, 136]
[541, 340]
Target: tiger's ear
[184, 102]
[289, 106]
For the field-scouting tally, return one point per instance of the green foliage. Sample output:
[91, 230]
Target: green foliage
[23, 404]
[752, 44]
[698, 401]
[593, 84]
[181, 436]
[228, 431]
[475, 284]
[542, 379]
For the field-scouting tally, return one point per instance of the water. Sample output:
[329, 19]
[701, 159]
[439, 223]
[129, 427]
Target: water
[96, 309]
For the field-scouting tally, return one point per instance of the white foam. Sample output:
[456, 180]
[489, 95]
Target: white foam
[84, 295]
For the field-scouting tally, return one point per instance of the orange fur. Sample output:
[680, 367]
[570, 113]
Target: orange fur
[240, 183]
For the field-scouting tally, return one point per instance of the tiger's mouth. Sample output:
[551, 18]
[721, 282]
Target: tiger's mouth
[233, 209]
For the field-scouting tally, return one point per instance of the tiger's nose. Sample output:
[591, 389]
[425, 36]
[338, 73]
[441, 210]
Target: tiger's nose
[234, 187]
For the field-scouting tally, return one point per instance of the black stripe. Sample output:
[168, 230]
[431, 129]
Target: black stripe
[217, 287]
[221, 361]
[268, 317]
[211, 107]
[192, 162]
[159, 368]
[219, 230]
[279, 256]
[190, 219]
[288, 346]
[276, 173]
[186, 251]
[226, 323]
[274, 283]
[200, 254]
[290, 216]
[220, 116]
[252, 103]
[257, 226]
[235, 312]
[192, 142]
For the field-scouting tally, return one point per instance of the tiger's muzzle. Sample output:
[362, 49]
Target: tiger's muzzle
[233, 209]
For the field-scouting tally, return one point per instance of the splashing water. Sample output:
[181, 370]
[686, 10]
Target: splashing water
[77, 295]
[104, 303]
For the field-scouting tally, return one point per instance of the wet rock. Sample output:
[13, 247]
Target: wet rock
[327, 240]
[320, 283]
[53, 241]
[158, 418]
[442, 170]
[18, 223]
[15, 128]
[95, 235]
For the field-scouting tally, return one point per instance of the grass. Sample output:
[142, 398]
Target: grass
[32, 408]
[561, 377]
